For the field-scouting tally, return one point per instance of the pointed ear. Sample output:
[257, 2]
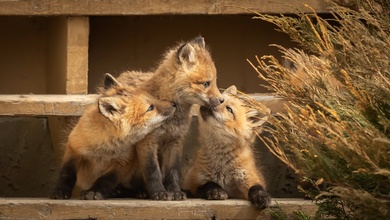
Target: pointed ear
[231, 90]
[110, 107]
[110, 81]
[186, 54]
[257, 118]
[199, 41]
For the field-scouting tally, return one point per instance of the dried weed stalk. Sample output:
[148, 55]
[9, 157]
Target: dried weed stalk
[337, 126]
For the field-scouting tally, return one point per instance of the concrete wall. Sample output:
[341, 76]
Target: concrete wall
[27, 165]
[29, 162]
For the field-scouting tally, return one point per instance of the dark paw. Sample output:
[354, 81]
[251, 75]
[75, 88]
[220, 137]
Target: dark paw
[163, 195]
[91, 195]
[123, 192]
[118, 193]
[60, 194]
[259, 198]
[188, 194]
[216, 194]
[142, 194]
[179, 195]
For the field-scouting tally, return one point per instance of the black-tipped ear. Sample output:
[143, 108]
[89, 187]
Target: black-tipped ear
[110, 81]
[199, 41]
[186, 54]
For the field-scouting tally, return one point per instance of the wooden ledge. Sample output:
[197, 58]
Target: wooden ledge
[45, 105]
[153, 7]
[35, 208]
[74, 105]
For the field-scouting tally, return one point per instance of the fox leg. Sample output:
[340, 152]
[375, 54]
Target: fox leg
[255, 189]
[153, 180]
[150, 169]
[66, 180]
[171, 160]
[212, 191]
[102, 187]
[259, 197]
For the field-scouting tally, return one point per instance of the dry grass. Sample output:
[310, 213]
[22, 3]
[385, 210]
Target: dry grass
[337, 126]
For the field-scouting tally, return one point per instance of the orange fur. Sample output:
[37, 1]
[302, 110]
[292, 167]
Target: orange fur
[186, 76]
[103, 139]
[225, 156]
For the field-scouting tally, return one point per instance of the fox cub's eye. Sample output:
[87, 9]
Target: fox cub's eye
[151, 107]
[206, 84]
[229, 109]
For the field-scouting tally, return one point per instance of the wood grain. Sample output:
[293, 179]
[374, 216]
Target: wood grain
[153, 7]
[74, 105]
[27, 208]
[44, 105]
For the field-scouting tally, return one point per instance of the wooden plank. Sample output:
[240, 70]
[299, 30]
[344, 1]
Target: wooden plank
[43, 105]
[24, 208]
[73, 105]
[271, 101]
[152, 7]
[77, 55]
[67, 60]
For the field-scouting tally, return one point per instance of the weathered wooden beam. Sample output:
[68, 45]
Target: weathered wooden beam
[74, 105]
[77, 55]
[68, 55]
[271, 101]
[16, 208]
[153, 7]
[45, 105]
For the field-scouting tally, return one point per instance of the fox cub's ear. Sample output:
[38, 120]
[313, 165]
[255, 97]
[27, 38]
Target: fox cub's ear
[257, 118]
[110, 81]
[199, 41]
[186, 54]
[231, 90]
[111, 107]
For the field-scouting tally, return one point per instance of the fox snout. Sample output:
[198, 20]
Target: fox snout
[166, 108]
[215, 96]
[214, 101]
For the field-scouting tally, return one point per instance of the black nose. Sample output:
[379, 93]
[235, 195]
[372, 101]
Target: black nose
[221, 100]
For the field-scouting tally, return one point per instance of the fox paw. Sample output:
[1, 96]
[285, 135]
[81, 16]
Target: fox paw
[142, 194]
[179, 195]
[216, 194]
[259, 197]
[91, 195]
[162, 195]
[60, 194]
[121, 192]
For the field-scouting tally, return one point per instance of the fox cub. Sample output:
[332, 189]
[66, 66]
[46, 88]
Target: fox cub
[224, 165]
[101, 145]
[186, 76]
